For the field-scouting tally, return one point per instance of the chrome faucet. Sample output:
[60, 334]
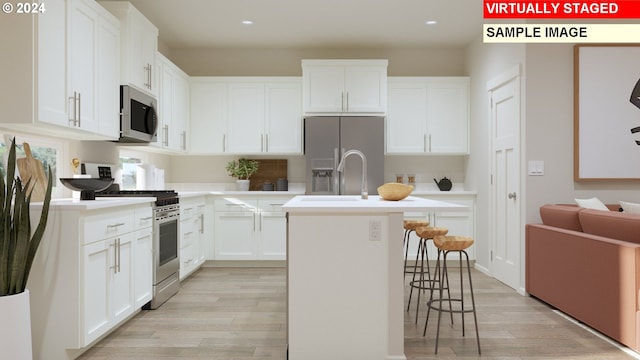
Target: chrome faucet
[364, 192]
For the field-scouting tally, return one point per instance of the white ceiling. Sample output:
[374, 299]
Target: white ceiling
[314, 23]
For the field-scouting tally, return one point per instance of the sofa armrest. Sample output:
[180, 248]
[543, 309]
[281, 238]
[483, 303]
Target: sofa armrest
[592, 278]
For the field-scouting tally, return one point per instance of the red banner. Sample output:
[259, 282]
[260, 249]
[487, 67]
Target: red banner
[561, 9]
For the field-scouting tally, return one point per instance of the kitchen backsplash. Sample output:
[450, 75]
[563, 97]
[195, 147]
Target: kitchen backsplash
[211, 169]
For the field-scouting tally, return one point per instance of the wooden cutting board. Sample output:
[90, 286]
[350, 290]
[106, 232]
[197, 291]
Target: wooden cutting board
[269, 170]
[31, 170]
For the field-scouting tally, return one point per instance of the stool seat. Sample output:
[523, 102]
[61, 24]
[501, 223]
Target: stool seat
[452, 243]
[430, 232]
[413, 224]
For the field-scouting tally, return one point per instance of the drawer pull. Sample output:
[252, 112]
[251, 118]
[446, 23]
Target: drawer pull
[115, 225]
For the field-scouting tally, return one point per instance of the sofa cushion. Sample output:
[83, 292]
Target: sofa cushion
[593, 203]
[561, 216]
[630, 208]
[611, 224]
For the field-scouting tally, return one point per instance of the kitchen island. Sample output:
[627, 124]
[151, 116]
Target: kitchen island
[345, 276]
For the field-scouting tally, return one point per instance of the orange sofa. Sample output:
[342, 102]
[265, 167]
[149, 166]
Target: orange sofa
[586, 263]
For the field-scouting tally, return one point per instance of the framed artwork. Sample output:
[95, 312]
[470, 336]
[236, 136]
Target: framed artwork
[606, 112]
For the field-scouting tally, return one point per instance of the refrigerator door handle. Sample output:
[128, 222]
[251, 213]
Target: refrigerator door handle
[336, 175]
[342, 175]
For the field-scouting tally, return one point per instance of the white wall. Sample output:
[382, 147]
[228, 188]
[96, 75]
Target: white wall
[549, 134]
[286, 62]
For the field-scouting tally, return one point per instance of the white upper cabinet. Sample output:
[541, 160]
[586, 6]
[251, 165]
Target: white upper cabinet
[173, 104]
[93, 92]
[245, 122]
[208, 116]
[283, 117]
[344, 86]
[59, 70]
[428, 115]
[246, 115]
[139, 45]
[51, 79]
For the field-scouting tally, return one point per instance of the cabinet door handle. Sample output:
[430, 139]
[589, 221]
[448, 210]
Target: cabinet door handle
[224, 142]
[165, 141]
[342, 101]
[511, 195]
[262, 142]
[119, 254]
[183, 138]
[201, 223]
[76, 108]
[347, 101]
[115, 257]
[148, 69]
[424, 142]
[150, 77]
[429, 142]
[260, 228]
[79, 113]
[266, 142]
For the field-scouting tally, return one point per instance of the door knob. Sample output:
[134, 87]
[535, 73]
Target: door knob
[512, 195]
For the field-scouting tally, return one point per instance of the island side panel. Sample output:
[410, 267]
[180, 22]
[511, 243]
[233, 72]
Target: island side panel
[395, 273]
[338, 288]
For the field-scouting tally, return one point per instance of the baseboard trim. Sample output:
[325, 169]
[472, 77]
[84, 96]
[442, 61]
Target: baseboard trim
[245, 263]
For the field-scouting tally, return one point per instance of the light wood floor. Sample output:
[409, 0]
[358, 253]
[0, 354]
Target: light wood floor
[239, 314]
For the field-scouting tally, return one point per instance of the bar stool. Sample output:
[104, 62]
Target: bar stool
[425, 233]
[409, 227]
[445, 245]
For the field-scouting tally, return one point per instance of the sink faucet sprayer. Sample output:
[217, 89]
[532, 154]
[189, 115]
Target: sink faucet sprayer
[364, 191]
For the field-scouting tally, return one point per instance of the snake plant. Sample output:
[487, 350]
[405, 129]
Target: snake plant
[17, 245]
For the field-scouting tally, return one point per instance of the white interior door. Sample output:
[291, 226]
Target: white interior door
[504, 95]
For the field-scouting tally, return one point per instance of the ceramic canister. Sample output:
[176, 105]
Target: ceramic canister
[282, 185]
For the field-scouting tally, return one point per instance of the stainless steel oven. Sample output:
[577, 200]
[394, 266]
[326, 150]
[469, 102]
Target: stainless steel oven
[166, 262]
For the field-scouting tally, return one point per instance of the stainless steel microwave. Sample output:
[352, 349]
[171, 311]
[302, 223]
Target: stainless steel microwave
[138, 117]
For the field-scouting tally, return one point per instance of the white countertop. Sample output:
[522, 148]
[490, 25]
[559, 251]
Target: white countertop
[98, 203]
[353, 203]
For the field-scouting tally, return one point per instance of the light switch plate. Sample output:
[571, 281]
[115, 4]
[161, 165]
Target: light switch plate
[536, 168]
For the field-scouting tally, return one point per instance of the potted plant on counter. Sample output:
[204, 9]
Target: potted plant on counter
[18, 246]
[242, 169]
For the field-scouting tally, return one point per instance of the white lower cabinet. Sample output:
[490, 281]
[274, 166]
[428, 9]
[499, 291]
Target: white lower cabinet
[92, 272]
[250, 228]
[460, 223]
[108, 284]
[143, 249]
[143, 272]
[187, 244]
[193, 236]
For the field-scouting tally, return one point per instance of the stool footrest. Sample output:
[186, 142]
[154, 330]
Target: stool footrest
[455, 311]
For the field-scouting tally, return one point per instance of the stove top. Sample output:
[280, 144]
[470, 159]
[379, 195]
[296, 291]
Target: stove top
[163, 197]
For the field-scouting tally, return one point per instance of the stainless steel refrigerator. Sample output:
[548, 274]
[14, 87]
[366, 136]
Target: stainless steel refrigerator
[327, 138]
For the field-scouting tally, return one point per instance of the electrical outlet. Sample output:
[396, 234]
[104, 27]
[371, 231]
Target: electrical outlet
[375, 230]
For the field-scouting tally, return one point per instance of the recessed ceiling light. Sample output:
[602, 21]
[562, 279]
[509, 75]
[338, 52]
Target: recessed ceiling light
[247, 22]
[431, 22]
